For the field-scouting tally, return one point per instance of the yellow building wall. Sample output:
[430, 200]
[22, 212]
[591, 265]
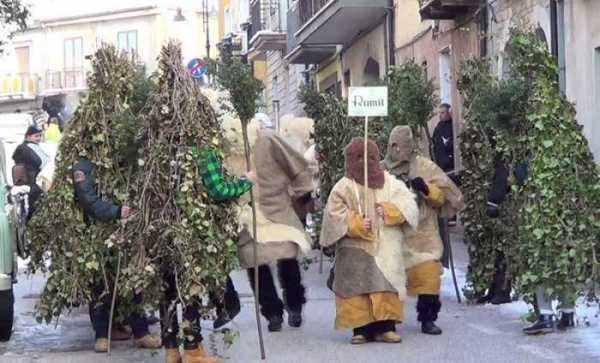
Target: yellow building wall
[408, 22]
[223, 4]
[260, 70]
[326, 72]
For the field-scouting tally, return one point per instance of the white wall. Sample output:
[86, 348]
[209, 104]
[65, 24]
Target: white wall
[514, 13]
[582, 38]
[154, 28]
[355, 58]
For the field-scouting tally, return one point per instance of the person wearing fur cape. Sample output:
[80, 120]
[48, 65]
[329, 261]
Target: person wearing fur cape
[438, 196]
[370, 277]
[283, 185]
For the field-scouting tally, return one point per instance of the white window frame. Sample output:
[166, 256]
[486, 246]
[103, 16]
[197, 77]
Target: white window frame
[128, 46]
[445, 75]
[76, 60]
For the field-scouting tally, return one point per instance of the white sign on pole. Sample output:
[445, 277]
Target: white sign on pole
[368, 101]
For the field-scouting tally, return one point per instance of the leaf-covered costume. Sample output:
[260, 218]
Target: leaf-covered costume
[183, 238]
[492, 241]
[559, 215]
[82, 254]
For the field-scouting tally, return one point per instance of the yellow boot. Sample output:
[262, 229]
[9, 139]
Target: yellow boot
[101, 345]
[198, 355]
[148, 341]
[172, 355]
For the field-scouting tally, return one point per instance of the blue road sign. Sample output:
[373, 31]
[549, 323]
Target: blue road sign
[197, 68]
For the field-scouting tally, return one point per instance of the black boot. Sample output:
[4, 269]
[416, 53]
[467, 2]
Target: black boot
[429, 328]
[501, 297]
[428, 307]
[230, 309]
[544, 325]
[567, 320]
[501, 286]
[294, 318]
[275, 323]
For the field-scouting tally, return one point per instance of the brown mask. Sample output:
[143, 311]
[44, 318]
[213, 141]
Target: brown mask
[400, 150]
[355, 164]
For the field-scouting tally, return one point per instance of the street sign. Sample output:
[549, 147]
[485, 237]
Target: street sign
[368, 101]
[197, 68]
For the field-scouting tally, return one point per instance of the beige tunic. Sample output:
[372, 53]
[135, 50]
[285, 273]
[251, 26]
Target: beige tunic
[282, 174]
[356, 257]
[424, 244]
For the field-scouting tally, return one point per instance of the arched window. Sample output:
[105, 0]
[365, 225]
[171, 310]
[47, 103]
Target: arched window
[371, 72]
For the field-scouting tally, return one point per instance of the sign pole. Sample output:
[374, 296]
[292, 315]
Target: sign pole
[366, 183]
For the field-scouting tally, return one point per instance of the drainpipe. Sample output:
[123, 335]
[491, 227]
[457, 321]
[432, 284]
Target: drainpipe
[276, 109]
[483, 45]
[554, 29]
[391, 35]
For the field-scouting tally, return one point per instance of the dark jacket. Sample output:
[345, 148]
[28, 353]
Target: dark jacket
[499, 187]
[443, 145]
[25, 155]
[86, 194]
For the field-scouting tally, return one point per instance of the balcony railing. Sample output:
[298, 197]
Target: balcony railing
[308, 8]
[293, 24]
[66, 79]
[20, 84]
[265, 15]
[445, 9]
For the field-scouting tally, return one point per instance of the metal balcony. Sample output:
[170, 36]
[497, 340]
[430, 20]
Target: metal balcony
[267, 30]
[21, 85]
[338, 21]
[446, 9]
[67, 79]
[319, 26]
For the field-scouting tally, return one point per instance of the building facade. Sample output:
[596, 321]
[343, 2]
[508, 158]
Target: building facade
[49, 61]
[268, 45]
[572, 32]
[440, 35]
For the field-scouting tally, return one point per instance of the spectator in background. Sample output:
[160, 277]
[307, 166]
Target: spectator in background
[31, 159]
[52, 134]
[443, 142]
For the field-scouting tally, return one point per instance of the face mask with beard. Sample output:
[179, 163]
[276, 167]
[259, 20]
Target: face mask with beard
[355, 164]
[400, 150]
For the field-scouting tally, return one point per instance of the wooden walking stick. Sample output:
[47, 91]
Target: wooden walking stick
[113, 302]
[254, 245]
[366, 211]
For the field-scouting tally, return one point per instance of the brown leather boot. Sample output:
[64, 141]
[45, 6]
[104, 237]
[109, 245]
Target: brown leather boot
[198, 355]
[101, 345]
[172, 355]
[148, 341]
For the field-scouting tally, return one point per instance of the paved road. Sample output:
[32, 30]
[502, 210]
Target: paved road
[471, 334]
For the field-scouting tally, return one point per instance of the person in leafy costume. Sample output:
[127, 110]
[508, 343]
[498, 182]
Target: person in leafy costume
[77, 222]
[423, 248]
[99, 210]
[559, 207]
[185, 231]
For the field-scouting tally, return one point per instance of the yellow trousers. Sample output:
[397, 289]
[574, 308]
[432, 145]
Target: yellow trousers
[424, 278]
[360, 310]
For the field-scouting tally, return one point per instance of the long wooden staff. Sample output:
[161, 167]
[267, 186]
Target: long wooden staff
[254, 245]
[366, 211]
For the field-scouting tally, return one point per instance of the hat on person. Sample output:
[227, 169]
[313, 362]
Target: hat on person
[32, 130]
